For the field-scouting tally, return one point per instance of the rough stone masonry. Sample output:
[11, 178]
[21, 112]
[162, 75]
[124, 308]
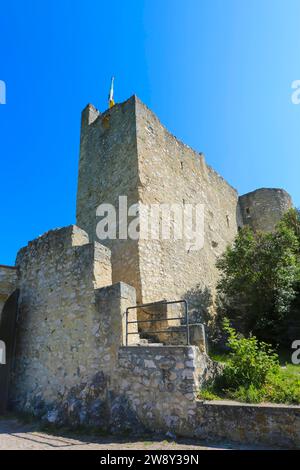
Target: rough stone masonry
[127, 151]
[68, 361]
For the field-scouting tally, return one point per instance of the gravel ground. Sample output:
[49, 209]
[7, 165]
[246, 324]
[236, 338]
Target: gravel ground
[15, 435]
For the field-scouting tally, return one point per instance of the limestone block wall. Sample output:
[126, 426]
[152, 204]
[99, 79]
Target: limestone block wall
[267, 425]
[262, 209]
[171, 172]
[70, 324]
[8, 283]
[161, 384]
[108, 169]
[127, 151]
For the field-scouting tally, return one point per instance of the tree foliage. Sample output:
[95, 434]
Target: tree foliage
[260, 277]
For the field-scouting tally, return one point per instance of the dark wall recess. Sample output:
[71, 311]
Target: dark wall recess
[7, 334]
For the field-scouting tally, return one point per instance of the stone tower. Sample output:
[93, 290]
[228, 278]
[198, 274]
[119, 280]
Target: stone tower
[108, 168]
[127, 151]
[262, 209]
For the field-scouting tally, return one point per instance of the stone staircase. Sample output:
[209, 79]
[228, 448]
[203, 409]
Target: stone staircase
[177, 336]
[162, 325]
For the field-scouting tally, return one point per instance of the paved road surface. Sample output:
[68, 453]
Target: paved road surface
[15, 435]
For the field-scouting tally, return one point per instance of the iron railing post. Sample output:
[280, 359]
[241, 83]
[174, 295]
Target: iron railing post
[137, 322]
[187, 323]
[126, 329]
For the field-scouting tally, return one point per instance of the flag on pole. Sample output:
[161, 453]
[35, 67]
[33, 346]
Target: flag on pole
[111, 101]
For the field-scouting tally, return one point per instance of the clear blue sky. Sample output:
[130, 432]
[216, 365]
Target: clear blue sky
[218, 74]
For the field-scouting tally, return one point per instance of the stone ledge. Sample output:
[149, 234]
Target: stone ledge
[232, 403]
[273, 425]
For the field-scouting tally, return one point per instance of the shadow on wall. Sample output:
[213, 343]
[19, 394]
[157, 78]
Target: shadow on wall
[7, 335]
[200, 302]
[206, 308]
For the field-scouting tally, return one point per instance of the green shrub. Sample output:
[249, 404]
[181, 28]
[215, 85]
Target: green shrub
[250, 361]
[252, 374]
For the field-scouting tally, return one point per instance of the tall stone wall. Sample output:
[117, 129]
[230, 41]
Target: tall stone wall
[171, 172]
[108, 169]
[70, 325]
[126, 151]
[262, 209]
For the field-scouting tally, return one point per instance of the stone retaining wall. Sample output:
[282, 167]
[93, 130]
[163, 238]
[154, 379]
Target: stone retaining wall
[270, 425]
[161, 384]
[160, 387]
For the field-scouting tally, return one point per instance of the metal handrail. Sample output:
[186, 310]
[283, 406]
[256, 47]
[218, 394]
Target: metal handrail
[164, 302]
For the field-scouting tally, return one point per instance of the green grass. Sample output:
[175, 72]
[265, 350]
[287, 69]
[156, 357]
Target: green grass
[292, 370]
[208, 394]
[283, 387]
[219, 357]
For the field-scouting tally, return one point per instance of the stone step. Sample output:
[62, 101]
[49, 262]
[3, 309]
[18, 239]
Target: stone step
[176, 335]
[147, 342]
[143, 341]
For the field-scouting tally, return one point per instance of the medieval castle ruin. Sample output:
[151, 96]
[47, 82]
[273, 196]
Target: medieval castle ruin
[92, 331]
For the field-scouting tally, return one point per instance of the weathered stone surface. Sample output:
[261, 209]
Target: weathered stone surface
[177, 336]
[272, 425]
[85, 404]
[173, 173]
[163, 396]
[167, 401]
[262, 209]
[69, 328]
[71, 366]
[108, 168]
[127, 151]
[122, 417]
